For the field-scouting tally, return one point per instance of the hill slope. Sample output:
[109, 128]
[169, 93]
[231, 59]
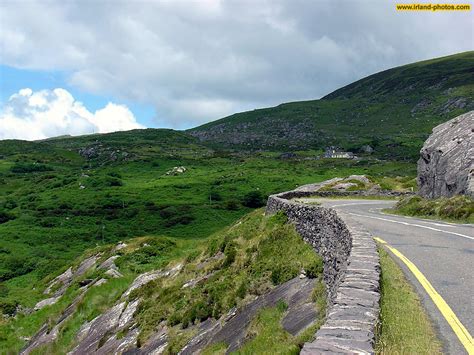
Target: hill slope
[393, 111]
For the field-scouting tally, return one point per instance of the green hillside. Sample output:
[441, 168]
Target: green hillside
[61, 196]
[392, 111]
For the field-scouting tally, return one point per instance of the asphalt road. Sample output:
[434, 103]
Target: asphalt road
[443, 252]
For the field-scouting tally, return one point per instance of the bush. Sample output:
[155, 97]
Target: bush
[172, 211]
[242, 290]
[230, 253]
[176, 215]
[253, 199]
[231, 205]
[107, 181]
[283, 273]
[215, 196]
[186, 219]
[13, 266]
[8, 307]
[5, 217]
[114, 174]
[10, 204]
[20, 168]
[150, 206]
[314, 269]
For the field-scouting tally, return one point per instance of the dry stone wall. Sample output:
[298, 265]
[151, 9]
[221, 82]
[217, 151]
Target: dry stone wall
[351, 273]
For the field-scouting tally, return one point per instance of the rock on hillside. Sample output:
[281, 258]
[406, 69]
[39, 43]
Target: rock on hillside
[446, 165]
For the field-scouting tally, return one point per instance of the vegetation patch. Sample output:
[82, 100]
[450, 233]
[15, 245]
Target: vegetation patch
[457, 208]
[230, 270]
[404, 326]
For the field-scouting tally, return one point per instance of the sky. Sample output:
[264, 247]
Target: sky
[80, 67]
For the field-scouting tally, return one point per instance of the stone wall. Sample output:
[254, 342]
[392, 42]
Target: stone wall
[351, 273]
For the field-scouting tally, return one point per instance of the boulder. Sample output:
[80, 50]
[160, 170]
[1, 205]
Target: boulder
[344, 186]
[446, 165]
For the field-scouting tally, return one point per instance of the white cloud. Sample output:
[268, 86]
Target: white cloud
[48, 113]
[221, 55]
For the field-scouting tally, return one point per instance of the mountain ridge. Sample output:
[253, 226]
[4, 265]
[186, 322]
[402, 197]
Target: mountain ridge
[393, 111]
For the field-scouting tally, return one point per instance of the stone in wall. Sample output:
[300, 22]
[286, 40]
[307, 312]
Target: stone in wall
[351, 273]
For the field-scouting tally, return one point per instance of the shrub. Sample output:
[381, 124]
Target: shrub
[21, 168]
[215, 196]
[253, 199]
[168, 212]
[242, 290]
[213, 246]
[282, 273]
[113, 181]
[314, 269]
[14, 266]
[176, 215]
[185, 219]
[231, 205]
[230, 253]
[47, 222]
[114, 174]
[10, 204]
[8, 307]
[5, 217]
[107, 181]
[150, 206]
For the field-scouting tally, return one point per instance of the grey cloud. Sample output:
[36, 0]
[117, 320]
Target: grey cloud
[197, 61]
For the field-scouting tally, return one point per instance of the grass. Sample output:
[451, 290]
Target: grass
[459, 209]
[48, 220]
[404, 326]
[232, 267]
[247, 268]
[267, 335]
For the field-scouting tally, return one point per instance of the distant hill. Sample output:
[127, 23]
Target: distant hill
[138, 144]
[392, 111]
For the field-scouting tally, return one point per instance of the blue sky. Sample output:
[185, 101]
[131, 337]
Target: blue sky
[12, 80]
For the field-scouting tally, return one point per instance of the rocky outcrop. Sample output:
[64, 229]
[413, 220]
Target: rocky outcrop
[232, 328]
[446, 165]
[351, 272]
[63, 281]
[102, 334]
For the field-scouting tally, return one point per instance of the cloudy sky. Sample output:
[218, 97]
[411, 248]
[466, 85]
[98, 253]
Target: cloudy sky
[77, 67]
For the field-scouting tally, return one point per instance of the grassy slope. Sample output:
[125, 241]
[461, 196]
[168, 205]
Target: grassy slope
[247, 268]
[458, 209]
[405, 327]
[56, 220]
[393, 111]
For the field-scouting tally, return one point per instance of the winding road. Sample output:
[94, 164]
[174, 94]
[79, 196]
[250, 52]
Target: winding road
[442, 251]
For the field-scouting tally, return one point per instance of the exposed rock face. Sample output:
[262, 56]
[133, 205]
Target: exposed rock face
[446, 165]
[63, 281]
[232, 328]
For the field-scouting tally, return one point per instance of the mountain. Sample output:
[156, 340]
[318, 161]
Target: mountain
[392, 111]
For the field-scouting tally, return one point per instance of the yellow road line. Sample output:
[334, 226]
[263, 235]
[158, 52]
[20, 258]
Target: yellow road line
[459, 329]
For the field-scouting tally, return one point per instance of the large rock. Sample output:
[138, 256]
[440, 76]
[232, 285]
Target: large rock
[446, 165]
